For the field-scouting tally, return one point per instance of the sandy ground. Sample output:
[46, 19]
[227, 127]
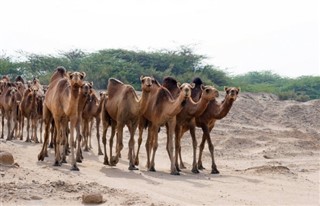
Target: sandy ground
[267, 151]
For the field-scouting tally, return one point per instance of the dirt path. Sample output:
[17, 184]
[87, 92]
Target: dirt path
[266, 156]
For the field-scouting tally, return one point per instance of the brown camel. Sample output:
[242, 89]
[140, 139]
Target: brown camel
[91, 111]
[186, 121]
[62, 104]
[9, 107]
[159, 109]
[28, 108]
[214, 111]
[123, 107]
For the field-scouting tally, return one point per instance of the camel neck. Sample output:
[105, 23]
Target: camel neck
[224, 108]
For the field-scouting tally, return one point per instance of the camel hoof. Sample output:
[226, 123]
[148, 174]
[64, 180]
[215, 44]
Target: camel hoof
[40, 157]
[178, 169]
[74, 168]
[195, 171]
[183, 167]
[106, 163]
[175, 173]
[57, 164]
[152, 169]
[100, 153]
[215, 171]
[64, 161]
[79, 160]
[50, 145]
[114, 160]
[132, 167]
[86, 150]
[200, 167]
[136, 162]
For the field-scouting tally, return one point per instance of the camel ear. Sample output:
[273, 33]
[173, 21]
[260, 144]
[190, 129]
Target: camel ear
[178, 84]
[70, 74]
[202, 87]
[192, 85]
[83, 75]
[141, 77]
[91, 84]
[238, 89]
[226, 88]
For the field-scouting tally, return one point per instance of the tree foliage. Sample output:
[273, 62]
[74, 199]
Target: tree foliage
[183, 64]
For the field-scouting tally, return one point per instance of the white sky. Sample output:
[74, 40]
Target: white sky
[241, 35]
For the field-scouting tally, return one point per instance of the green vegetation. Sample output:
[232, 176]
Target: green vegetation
[182, 64]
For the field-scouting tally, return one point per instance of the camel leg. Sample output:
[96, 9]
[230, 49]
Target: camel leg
[64, 142]
[214, 169]
[47, 122]
[74, 166]
[113, 132]
[52, 131]
[79, 138]
[149, 144]
[177, 145]
[58, 142]
[119, 144]
[154, 144]
[9, 125]
[41, 124]
[141, 122]
[2, 123]
[98, 120]
[104, 141]
[194, 147]
[171, 139]
[28, 129]
[132, 129]
[201, 147]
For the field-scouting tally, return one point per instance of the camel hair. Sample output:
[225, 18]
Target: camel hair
[9, 107]
[27, 107]
[206, 121]
[92, 110]
[61, 104]
[160, 108]
[123, 107]
[149, 85]
[186, 121]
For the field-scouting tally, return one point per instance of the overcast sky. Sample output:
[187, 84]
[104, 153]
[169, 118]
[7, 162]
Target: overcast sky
[241, 35]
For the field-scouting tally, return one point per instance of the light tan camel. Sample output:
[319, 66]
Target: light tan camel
[123, 107]
[62, 104]
[159, 109]
[214, 111]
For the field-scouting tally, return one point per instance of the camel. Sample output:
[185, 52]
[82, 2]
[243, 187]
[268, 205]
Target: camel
[186, 121]
[122, 107]
[159, 108]
[92, 110]
[62, 104]
[9, 105]
[206, 121]
[28, 108]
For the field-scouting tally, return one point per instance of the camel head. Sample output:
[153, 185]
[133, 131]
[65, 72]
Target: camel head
[209, 92]
[185, 90]
[232, 92]
[76, 78]
[86, 88]
[147, 82]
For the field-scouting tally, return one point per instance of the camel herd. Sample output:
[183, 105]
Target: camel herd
[69, 105]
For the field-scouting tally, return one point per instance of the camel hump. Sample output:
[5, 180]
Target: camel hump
[19, 79]
[61, 70]
[163, 96]
[170, 83]
[197, 81]
[114, 81]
